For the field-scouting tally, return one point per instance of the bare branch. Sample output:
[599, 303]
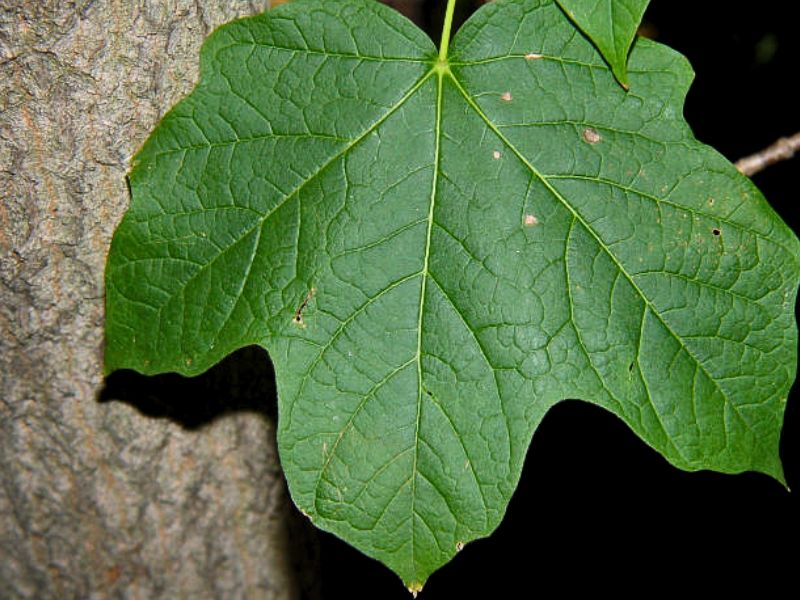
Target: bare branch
[783, 149]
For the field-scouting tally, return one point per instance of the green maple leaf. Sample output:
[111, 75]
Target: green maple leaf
[435, 248]
[611, 25]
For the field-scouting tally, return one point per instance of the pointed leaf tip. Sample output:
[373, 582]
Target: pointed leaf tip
[611, 25]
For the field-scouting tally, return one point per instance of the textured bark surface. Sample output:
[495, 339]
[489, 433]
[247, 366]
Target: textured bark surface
[133, 487]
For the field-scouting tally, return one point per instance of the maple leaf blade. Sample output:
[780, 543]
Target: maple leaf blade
[434, 256]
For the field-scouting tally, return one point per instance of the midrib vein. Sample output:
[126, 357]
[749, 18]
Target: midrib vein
[423, 287]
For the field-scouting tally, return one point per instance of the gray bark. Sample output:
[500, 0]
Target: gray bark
[150, 487]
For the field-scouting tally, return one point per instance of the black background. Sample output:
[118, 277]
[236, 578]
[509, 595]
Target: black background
[596, 509]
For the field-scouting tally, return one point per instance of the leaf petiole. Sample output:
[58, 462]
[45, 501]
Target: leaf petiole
[448, 25]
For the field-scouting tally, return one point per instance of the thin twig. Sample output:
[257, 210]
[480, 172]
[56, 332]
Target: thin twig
[783, 149]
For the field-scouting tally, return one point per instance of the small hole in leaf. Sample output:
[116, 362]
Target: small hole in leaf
[716, 231]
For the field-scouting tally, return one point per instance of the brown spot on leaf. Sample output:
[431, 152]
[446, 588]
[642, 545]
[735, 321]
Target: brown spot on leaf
[715, 231]
[590, 136]
[506, 97]
[459, 546]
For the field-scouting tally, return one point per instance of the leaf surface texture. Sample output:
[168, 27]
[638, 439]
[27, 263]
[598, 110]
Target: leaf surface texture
[435, 254]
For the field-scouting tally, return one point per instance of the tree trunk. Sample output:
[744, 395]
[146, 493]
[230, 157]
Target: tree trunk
[98, 499]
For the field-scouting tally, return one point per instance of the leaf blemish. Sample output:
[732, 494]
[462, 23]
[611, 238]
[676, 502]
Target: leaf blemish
[506, 97]
[590, 136]
[530, 221]
[496, 155]
[298, 314]
[715, 231]
[459, 546]
[533, 56]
